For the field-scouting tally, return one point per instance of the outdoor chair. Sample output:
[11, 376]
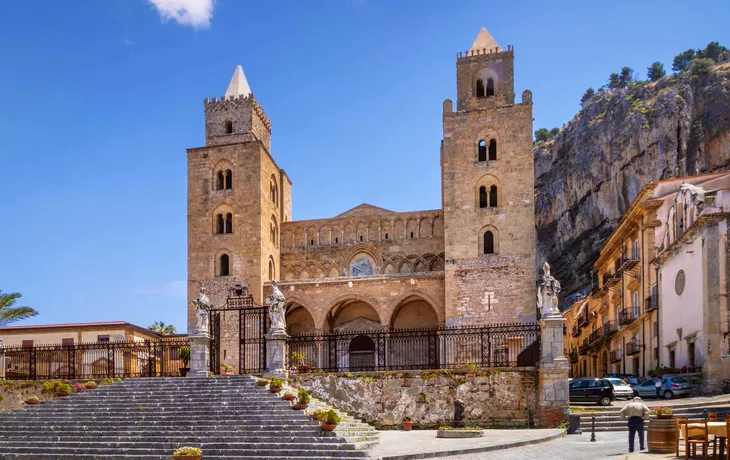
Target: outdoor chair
[680, 432]
[697, 433]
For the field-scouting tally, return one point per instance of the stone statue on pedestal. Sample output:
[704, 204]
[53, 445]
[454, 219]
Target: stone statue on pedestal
[547, 293]
[277, 309]
[203, 305]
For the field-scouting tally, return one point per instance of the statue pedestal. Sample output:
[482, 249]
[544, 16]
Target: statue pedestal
[276, 355]
[199, 355]
[553, 396]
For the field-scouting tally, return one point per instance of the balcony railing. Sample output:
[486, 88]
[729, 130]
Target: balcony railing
[573, 356]
[584, 320]
[614, 356]
[627, 316]
[611, 280]
[576, 330]
[627, 264]
[609, 328]
[583, 348]
[632, 347]
[651, 302]
[595, 335]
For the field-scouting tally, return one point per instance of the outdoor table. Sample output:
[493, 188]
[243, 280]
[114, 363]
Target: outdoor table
[718, 429]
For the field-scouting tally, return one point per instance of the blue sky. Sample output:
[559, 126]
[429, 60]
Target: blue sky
[100, 99]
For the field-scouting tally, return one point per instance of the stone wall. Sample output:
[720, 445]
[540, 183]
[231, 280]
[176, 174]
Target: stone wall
[13, 393]
[497, 398]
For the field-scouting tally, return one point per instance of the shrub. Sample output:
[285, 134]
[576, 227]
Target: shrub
[682, 60]
[188, 452]
[303, 396]
[317, 413]
[407, 419]
[713, 50]
[300, 357]
[63, 388]
[613, 81]
[56, 386]
[32, 399]
[288, 393]
[80, 388]
[701, 66]
[184, 354]
[276, 383]
[563, 425]
[107, 381]
[330, 418]
[463, 428]
[662, 410]
[655, 71]
[90, 384]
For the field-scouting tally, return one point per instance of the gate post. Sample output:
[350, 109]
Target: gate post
[554, 369]
[199, 354]
[276, 355]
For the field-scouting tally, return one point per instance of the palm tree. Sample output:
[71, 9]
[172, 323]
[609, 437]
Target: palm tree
[162, 328]
[9, 313]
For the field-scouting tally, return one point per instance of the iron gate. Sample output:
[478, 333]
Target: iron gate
[252, 323]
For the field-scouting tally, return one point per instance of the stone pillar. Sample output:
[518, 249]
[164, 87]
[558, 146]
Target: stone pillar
[199, 355]
[2, 359]
[276, 355]
[553, 398]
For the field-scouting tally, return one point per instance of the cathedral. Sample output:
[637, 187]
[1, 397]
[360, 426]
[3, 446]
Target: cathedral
[469, 263]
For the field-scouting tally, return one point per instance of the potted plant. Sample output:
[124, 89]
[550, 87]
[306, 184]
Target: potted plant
[227, 370]
[262, 382]
[275, 385]
[303, 400]
[188, 453]
[407, 424]
[79, 387]
[91, 385]
[289, 396]
[184, 354]
[329, 420]
[663, 412]
[62, 389]
[301, 358]
[316, 413]
[32, 400]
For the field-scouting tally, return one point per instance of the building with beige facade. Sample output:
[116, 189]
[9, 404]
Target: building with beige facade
[628, 323]
[74, 334]
[369, 268]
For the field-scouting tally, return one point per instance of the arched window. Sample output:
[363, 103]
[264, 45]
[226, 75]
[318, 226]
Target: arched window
[386, 236]
[482, 150]
[493, 196]
[219, 224]
[229, 127]
[490, 87]
[492, 150]
[274, 232]
[483, 197]
[223, 268]
[229, 179]
[271, 270]
[480, 88]
[229, 223]
[488, 242]
[337, 240]
[362, 267]
[220, 181]
[274, 190]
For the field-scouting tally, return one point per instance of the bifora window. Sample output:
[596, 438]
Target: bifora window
[362, 267]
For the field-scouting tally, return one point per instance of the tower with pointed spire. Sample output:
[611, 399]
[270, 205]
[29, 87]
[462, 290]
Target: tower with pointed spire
[488, 191]
[238, 196]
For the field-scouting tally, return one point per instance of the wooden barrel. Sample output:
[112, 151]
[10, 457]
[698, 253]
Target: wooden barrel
[661, 435]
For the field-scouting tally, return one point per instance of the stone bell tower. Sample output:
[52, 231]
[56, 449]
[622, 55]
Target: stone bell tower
[237, 197]
[488, 191]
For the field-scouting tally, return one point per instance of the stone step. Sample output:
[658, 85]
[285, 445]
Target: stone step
[155, 457]
[272, 444]
[296, 452]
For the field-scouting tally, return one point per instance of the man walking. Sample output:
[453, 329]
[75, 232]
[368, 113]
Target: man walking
[658, 384]
[636, 412]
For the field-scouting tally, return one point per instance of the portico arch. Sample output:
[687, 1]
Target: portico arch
[350, 313]
[414, 309]
[299, 320]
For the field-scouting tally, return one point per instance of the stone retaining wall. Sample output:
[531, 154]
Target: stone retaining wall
[500, 398]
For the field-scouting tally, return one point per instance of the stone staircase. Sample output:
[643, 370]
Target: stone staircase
[227, 417]
[610, 420]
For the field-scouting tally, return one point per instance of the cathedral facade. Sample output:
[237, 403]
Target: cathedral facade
[469, 263]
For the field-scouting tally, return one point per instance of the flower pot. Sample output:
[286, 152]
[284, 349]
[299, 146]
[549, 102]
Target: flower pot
[274, 389]
[226, 374]
[407, 426]
[184, 371]
[60, 395]
[91, 387]
[665, 416]
[304, 369]
[187, 457]
[314, 416]
[289, 397]
[326, 427]
[31, 401]
[300, 406]
[262, 383]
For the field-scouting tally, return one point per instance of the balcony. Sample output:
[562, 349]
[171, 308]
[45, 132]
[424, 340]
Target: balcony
[651, 303]
[573, 356]
[614, 356]
[584, 320]
[575, 330]
[611, 280]
[632, 347]
[609, 328]
[627, 264]
[627, 316]
[583, 348]
[595, 335]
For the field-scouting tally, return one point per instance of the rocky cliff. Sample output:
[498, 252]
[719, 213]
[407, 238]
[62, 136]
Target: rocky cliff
[588, 175]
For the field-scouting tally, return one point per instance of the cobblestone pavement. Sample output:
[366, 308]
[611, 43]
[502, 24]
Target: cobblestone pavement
[575, 447]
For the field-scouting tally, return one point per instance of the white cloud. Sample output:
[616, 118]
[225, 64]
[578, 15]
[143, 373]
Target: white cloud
[194, 13]
[176, 289]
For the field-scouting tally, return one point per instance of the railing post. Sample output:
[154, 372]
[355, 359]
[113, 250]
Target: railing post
[150, 358]
[2, 359]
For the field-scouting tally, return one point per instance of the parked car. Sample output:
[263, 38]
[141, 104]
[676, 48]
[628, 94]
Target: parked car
[633, 381]
[671, 387]
[621, 389]
[599, 391]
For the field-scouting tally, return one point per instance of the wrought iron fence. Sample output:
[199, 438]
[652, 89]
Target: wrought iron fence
[502, 345]
[159, 358]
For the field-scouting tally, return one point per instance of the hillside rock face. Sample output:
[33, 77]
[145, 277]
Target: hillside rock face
[588, 175]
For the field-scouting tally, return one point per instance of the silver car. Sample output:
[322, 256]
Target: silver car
[671, 387]
[621, 389]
